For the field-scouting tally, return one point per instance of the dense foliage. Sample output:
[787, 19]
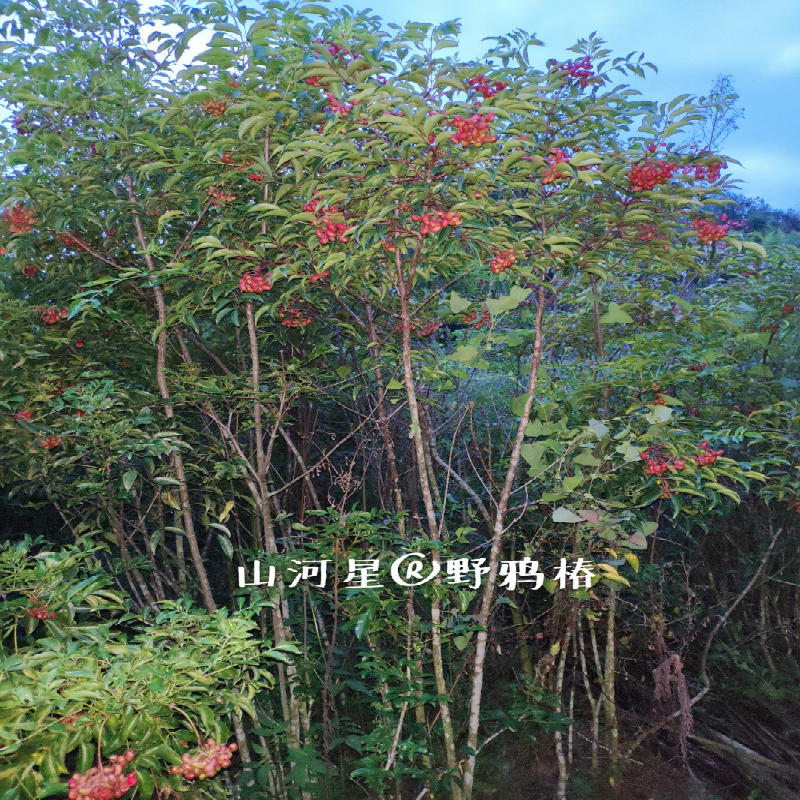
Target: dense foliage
[323, 292]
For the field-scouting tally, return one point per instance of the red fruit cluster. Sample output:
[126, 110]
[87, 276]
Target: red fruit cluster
[698, 367]
[648, 231]
[437, 221]
[336, 106]
[19, 124]
[430, 328]
[19, 220]
[657, 462]
[254, 282]
[707, 456]
[206, 761]
[30, 271]
[474, 130]
[256, 176]
[483, 321]
[50, 315]
[708, 232]
[294, 315]
[328, 231]
[23, 416]
[215, 108]
[311, 206]
[649, 174]
[483, 86]
[503, 259]
[580, 69]
[333, 48]
[708, 173]
[551, 173]
[103, 783]
[219, 196]
[51, 442]
[318, 276]
[39, 610]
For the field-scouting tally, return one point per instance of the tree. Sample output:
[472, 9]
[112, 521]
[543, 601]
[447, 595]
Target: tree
[323, 286]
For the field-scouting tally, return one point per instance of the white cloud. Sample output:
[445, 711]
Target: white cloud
[786, 60]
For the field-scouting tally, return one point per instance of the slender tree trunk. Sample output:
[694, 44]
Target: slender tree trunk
[176, 459]
[487, 599]
[427, 496]
[610, 679]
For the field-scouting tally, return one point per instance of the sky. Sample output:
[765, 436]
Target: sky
[756, 42]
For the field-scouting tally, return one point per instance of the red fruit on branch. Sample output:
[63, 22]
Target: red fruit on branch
[707, 456]
[649, 174]
[430, 328]
[331, 231]
[51, 442]
[50, 314]
[219, 196]
[103, 783]
[39, 610]
[503, 259]
[708, 232]
[254, 282]
[30, 271]
[336, 106]
[484, 321]
[657, 462]
[205, 761]
[436, 221]
[579, 70]
[483, 86]
[294, 314]
[474, 130]
[19, 220]
[23, 416]
[648, 232]
[214, 108]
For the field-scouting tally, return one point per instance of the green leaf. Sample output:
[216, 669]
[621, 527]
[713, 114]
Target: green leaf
[507, 302]
[532, 453]
[129, 478]
[628, 452]
[587, 459]
[458, 304]
[465, 354]
[562, 514]
[226, 545]
[612, 574]
[658, 415]
[615, 315]
[394, 384]
[599, 429]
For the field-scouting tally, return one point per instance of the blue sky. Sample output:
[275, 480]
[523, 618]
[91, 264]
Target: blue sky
[690, 41]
